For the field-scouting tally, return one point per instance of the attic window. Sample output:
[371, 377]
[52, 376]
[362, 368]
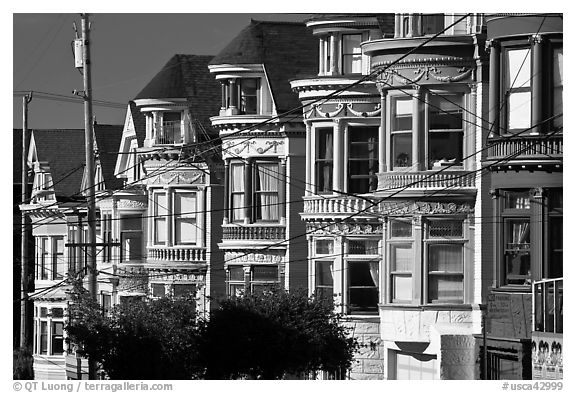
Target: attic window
[43, 187]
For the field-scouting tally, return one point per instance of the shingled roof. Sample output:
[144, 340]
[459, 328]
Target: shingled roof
[63, 150]
[288, 50]
[187, 76]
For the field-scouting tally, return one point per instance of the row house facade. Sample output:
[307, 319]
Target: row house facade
[263, 149]
[393, 190]
[58, 216]
[524, 323]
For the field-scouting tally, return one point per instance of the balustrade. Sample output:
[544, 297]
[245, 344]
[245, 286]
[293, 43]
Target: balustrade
[260, 232]
[177, 254]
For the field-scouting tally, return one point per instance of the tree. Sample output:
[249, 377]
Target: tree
[272, 335]
[155, 339]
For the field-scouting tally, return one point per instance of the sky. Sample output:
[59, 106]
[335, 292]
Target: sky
[127, 51]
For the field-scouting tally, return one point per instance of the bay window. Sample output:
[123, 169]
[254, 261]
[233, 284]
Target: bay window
[517, 85]
[175, 218]
[437, 275]
[362, 159]
[256, 183]
[50, 262]
[131, 238]
[324, 160]
[49, 326]
[351, 54]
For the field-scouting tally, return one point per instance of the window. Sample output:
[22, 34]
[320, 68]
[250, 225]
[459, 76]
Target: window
[261, 278]
[77, 257]
[432, 23]
[184, 218]
[324, 285]
[235, 280]
[160, 209]
[106, 302]
[517, 251]
[50, 262]
[158, 289]
[518, 81]
[266, 183]
[553, 268]
[264, 278]
[362, 275]
[170, 130]
[441, 265]
[445, 138]
[324, 161]
[49, 326]
[401, 133]
[237, 192]
[557, 86]
[325, 54]
[184, 290]
[43, 188]
[362, 159]
[351, 54]
[248, 96]
[263, 183]
[324, 246]
[106, 228]
[412, 366]
[131, 238]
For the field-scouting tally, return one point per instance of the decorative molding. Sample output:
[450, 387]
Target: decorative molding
[426, 208]
[329, 114]
[272, 145]
[179, 277]
[129, 204]
[375, 112]
[343, 228]
[179, 177]
[255, 257]
[536, 39]
[246, 146]
[492, 44]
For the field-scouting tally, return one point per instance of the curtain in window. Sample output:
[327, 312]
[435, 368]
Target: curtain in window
[326, 156]
[237, 190]
[445, 257]
[374, 272]
[520, 233]
[267, 182]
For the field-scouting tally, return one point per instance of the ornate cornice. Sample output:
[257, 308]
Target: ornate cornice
[343, 228]
[425, 72]
[241, 257]
[179, 177]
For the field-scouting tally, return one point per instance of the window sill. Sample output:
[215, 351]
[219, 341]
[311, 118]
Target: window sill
[512, 289]
[427, 307]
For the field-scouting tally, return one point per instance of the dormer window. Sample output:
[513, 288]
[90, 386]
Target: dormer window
[432, 23]
[248, 89]
[351, 54]
[241, 96]
[43, 188]
[169, 128]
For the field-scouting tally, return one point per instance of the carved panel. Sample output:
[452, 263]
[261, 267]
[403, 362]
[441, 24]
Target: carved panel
[179, 177]
[260, 145]
[253, 257]
[319, 228]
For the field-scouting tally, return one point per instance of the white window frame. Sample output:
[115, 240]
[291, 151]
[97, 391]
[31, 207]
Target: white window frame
[372, 260]
[50, 321]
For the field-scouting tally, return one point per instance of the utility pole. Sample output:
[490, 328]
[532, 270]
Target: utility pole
[25, 323]
[89, 136]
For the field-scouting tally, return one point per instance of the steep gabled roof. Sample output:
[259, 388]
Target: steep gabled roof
[287, 50]
[187, 76]
[63, 150]
[108, 139]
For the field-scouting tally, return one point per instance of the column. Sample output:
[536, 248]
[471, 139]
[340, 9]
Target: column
[226, 191]
[282, 184]
[333, 59]
[338, 169]
[322, 62]
[537, 84]
[418, 137]
[497, 239]
[170, 210]
[309, 163]
[537, 221]
[382, 129]
[419, 275]
[223, 84]
[494, 88]
[201, 217]
[248, 191]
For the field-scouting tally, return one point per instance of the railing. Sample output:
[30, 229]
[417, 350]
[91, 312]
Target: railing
[259, 232]
[338, 205]
[169, 134]
[396, 181]
[529, 147]
[547, 298]
[177, 254]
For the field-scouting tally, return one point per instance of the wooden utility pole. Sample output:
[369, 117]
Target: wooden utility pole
[89, 136]
[25, 322]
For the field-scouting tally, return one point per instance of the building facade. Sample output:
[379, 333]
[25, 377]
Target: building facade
[524, 156]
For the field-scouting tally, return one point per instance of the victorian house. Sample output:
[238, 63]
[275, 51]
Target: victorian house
[263, 149]
[524, 157]
[58, 218]
[394, 120]
[167, 218]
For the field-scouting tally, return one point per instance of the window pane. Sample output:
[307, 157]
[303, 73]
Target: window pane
[401, 258]
[363, 247]
[237, 192]
[401, 288]
[558, 82]
[266, 183]
[183, 290]
[517, 251]
[519, 199]
[519, 69]
[158, 290]
[57, 338]
[445, 228]
[324, 280]
[519, 110]
[57, 313]
[363, 286]
[351, 53]
[324, 154]
[160, 230]
[432, 24]
[402, 115]
[410, 366]
[185, 231]
[400, 228]
[160, 204]
[445, 289]
[236, 273]
[445, 258]
[402, 150]
[131, 223]
[362, 159]
[265, 273]
[445, 112]
[555, 268]
[249, 96]
[43, 337]
[324, 246]
[445, 148]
